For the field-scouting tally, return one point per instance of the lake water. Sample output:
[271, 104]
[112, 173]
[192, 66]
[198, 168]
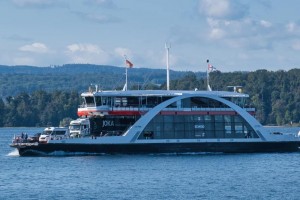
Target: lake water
[200, 176]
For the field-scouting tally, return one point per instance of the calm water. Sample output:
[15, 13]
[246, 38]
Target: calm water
[202, 176]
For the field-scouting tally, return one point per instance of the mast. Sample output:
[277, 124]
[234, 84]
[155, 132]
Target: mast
[125, 87]
[168, 46]
[128, 64]
[209, 67]
[207, 74]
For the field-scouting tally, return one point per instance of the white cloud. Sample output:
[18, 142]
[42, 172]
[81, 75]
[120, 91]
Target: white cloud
[217, 33]
[291, 27]
[215, 8]
[245, 33]
[265, 23]
[35, 48]
[222, 9]
[90, 48]
[87, 53]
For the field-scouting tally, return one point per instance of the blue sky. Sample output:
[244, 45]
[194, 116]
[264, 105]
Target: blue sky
[235, 35]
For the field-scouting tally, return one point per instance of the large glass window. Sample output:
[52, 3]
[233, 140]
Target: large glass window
[204, 125]
[199, 126]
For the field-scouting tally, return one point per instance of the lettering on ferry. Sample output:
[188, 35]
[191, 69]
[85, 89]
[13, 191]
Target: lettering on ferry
[107, 123]
[200, 126]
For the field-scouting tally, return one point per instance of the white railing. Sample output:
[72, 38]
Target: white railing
[170, 109]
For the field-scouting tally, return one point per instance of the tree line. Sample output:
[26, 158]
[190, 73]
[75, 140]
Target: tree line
[38, 109]
[274, 94]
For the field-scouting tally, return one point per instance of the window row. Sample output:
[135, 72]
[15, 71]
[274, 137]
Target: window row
[218, 126]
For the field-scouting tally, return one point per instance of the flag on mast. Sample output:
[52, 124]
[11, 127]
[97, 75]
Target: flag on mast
[211, 68]
[128, 63]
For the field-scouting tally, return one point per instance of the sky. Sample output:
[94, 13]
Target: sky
[235, 35]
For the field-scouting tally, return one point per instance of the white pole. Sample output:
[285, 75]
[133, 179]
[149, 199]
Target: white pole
[207, 75]
[168, 46]
[126, 78]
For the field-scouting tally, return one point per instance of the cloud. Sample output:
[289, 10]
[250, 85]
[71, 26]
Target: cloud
[216, 33]
[293, 28]
[244, 33]
[35, 48]
[34, 3]
[229, 23]
[265, 23]
[222, 9]
[87, 53]
[90, 48]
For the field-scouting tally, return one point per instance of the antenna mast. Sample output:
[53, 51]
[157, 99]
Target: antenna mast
[168, 46]
[209, 67]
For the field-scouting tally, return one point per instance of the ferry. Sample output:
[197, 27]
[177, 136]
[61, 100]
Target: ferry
[163, 121]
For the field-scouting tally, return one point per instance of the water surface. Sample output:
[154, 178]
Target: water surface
[198, 176]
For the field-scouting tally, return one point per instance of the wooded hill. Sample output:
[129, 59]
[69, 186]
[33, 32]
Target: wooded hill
[17, 79]
[33, 96]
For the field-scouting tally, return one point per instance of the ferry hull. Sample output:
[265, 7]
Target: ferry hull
[158, 148]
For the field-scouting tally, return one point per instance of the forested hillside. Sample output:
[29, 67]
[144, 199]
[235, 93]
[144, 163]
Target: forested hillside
[38, 109]
[17, 79]
[42, 98]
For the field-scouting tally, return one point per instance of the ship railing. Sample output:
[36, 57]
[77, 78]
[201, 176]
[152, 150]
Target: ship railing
[22, 138]
[172, 109]
[145, 109]
[175, 109]
[130, 108]
[198, 109]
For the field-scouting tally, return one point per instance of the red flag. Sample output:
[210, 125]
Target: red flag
[128, 63]
[211, 68]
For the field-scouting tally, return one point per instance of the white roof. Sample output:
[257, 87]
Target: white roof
[162, 93]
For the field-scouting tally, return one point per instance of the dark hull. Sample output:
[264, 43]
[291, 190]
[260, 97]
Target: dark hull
[158, 148]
